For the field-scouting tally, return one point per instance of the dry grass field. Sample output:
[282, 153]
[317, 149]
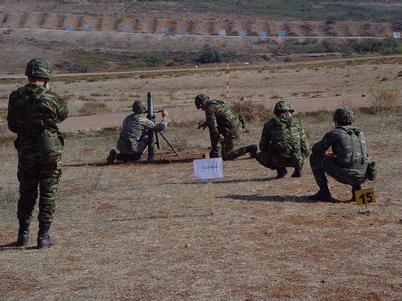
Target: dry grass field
[144, 231]
[310, 86]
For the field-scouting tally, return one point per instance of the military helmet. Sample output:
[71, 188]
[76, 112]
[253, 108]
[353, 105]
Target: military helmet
[38, 68]
[199, 99]
[283, 106]
[343, 116]
[139, 107]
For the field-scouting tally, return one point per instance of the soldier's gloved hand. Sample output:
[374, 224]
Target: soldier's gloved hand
[214, 153]
[202, 124]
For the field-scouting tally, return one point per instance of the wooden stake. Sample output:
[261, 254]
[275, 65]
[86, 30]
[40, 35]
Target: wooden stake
[211, 193]
[227, 82]
[211, 198]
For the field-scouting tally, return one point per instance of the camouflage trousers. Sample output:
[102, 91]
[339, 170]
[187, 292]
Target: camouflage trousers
[321, 165]
[131, 146]
[37, 172]
[228, 150]
[273, 162]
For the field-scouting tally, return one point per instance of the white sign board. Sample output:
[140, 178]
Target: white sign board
[208, 169]
[397, 35]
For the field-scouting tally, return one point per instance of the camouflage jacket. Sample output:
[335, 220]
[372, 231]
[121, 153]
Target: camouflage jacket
[31, 110]
[221, 120]
[284, 136]
[135, 126]
[348, 146]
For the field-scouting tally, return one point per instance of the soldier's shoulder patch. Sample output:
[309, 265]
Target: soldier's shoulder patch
[15, 93]
[52, 93]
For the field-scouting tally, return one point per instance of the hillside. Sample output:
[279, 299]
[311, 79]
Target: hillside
[87, 36]
[385, 10]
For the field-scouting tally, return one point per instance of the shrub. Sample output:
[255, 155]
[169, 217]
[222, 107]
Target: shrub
[153, 59]
[91, 108]
[251, 111]
[385, 100]
[386, 46]
[209, 55]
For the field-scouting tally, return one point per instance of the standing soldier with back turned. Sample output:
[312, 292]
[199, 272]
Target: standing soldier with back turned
[223, 123]
[33, 114]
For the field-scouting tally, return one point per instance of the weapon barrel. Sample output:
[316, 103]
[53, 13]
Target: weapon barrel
[150, 116]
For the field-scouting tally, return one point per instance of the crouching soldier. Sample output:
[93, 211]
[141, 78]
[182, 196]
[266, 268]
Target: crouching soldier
[223, 122]
[134, 134]
[347, 163]
[33, 114]
[283, 142]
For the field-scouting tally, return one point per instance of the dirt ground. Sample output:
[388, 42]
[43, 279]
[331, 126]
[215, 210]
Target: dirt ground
[144, 231]
[96, 102]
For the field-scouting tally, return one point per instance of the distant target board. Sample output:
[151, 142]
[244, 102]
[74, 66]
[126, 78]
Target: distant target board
[281, 34]
[89, 28]
[222, 33]
[263, 34]
[183, 31]
[128, 29]
[397, 35]
[164, 30]
[242, 33]
[69, 28]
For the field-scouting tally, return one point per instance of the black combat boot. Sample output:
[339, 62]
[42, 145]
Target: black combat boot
[44, 239]
[112, 156]
[281, 172]
[252, 149]
[354, 188]
[297, 173]
[23, 234]
[322, 195]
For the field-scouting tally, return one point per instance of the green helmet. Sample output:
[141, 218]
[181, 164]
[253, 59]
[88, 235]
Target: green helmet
[38, 68]
[139, 107]
[283, 106]
[343, 116]
[199, 99]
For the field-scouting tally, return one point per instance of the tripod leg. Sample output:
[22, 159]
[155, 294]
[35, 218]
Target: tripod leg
[164, 138]
[157, 140]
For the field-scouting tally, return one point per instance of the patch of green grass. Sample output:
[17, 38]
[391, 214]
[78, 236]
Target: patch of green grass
[83, 61]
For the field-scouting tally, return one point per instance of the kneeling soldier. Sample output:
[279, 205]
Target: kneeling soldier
[134, 134]
[283, 142]
[348, 161]
[223, 121]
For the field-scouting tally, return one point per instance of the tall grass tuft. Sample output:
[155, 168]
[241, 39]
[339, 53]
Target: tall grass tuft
[385, 100]
[252, 111]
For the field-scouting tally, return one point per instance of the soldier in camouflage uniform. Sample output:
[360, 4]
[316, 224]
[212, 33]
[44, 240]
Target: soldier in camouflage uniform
[33, 114]
[222, 121]
[348, 161]
[134, 134]
[283, 142]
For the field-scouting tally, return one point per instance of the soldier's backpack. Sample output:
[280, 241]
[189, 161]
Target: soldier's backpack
[359, 156]
[46, 141]
[285, 140]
